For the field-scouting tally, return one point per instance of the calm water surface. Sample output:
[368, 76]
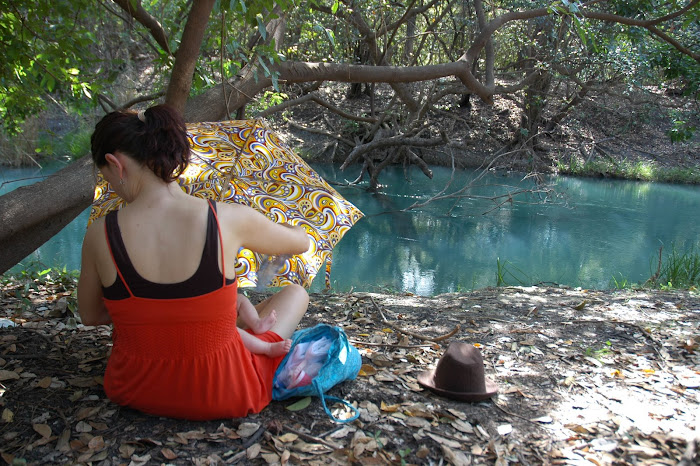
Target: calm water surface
[594, 231]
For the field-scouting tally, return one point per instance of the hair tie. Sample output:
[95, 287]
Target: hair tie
[142, 115]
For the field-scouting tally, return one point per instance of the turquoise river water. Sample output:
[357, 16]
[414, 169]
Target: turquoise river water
[594, 230]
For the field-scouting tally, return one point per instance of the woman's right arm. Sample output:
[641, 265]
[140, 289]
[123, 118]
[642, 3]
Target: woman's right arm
[90, 304]
[258, 233]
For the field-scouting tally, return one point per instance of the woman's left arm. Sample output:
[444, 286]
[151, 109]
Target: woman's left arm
[90, 304]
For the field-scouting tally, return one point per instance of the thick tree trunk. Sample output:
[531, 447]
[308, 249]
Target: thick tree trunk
[31, 215]
[535, 101]
[187, 54]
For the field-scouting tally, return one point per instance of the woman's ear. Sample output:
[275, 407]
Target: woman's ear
[116, 163]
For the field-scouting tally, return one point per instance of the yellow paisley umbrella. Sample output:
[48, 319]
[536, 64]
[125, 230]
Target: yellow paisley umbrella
[244, 161]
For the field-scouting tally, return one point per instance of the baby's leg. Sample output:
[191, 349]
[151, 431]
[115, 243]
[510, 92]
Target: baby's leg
[257, 346]
[249, 315]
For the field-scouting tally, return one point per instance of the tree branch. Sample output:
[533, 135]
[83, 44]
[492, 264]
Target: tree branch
[146, 20]
[383, 143]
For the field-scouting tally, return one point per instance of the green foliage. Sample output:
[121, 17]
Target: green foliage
[300, 405]
[47, 50]
[404, 454]
[269, 99]
[36, 274]
[675, 270]
[600, 352]
[71, 146]
[71, 50]
[681, 129]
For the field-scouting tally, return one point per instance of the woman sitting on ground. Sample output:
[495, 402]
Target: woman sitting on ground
[162, 271]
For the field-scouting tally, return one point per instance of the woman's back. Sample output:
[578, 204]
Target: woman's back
[176, 356]
[165, 241]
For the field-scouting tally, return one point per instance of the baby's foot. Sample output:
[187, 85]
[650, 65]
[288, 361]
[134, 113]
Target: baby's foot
[264, 324]
[279, 348]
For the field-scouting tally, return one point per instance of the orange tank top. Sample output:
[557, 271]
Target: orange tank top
[184, 357]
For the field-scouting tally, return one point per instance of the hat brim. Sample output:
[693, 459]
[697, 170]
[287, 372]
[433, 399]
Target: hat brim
[426, 379]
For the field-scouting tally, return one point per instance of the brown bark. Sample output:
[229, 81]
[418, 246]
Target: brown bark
[488, 46]
[188, 54]
[209, 105]
[31, 215]
[143, 17]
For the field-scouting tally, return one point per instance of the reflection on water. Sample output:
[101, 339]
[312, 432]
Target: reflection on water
[600, 229]
[597, 230]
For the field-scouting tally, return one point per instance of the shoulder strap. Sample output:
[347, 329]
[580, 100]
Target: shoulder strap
[112, 217]
[221, 240]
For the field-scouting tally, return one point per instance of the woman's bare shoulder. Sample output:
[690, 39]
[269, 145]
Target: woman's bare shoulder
[95, 229]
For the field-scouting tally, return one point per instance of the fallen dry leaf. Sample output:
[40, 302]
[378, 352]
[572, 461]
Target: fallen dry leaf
[423, 452]
[389, 408]
[98, 425]
[84, 413]
[137, 460]
[504, 429]
[288, 437]
[45, 382]
[418, 422]
[42, 429]
[168, 454]
[7, 415]
[85, 457]
[96, 443]
[463, 426]
[83, 426]
[62, 445]
[284, 458]
[342, 432]
[444, 441]
[126, 450]
[454, 456]
[367, 370]
[577, 428]
[246, 429]
[271, 458]
[8, 375]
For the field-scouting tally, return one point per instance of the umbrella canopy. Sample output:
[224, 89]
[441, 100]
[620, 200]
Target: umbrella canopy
[244, 161]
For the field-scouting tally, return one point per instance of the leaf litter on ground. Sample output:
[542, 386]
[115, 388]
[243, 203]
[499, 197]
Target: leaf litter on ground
[615, 381]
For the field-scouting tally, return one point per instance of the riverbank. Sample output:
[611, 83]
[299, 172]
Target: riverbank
[609, 377]
[620, 133]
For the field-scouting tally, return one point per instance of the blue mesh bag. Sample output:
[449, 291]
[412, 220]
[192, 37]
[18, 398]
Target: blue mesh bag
[320, 358]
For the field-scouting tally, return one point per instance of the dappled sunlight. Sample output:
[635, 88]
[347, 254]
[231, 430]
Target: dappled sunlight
[583, 377]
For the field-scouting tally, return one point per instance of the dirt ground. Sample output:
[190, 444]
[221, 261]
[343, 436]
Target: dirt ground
[584, 377]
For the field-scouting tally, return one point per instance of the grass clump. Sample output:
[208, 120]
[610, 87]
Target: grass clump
[676, 270]
[680, 269]
[505, 272]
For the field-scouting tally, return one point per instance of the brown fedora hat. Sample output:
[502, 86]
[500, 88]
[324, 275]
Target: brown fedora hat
[459, 375]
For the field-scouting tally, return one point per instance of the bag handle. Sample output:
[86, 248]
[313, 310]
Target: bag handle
[323, 397]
